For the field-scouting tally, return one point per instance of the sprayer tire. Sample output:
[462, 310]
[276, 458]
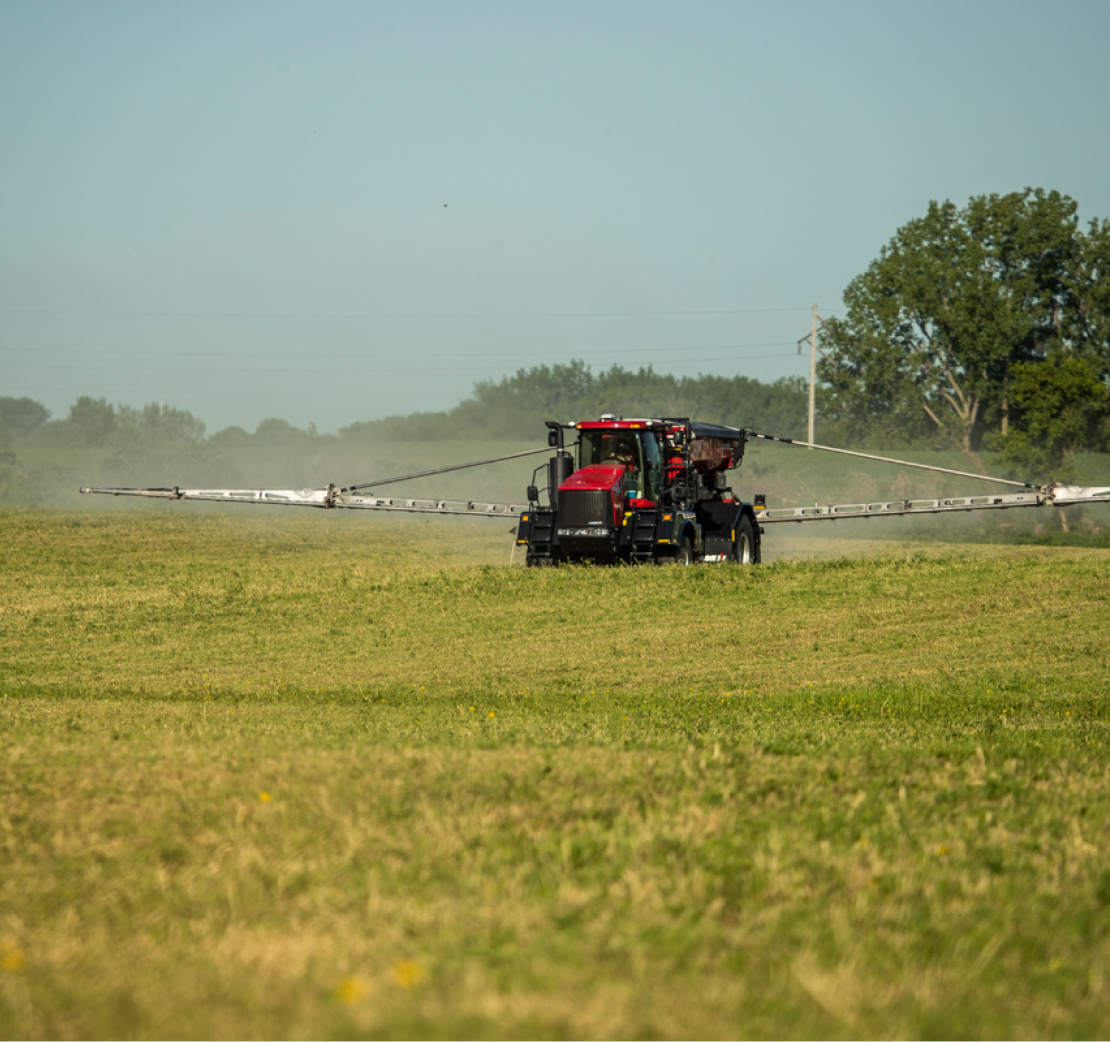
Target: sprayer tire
[745, 550]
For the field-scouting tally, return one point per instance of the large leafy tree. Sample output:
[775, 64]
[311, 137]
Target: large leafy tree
[937, 324]
[1057, 405]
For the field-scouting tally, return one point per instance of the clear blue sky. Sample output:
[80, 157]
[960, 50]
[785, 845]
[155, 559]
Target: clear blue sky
[332, 212]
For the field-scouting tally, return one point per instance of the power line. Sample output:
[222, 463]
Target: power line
[370, 316]
[430, 371]
[299, 394]
[316, 355]
[268, 370]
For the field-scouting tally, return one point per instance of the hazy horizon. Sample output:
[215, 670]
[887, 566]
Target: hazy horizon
[331, 214]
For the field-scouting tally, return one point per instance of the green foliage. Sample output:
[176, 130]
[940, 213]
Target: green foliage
[299, 777]
[90, 422]
[1057, 405]
[516, 403]
[279, 433]
[96, 423]
[938, 323]
[158, 422]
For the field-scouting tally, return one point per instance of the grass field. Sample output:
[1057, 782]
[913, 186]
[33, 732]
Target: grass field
[339, 775]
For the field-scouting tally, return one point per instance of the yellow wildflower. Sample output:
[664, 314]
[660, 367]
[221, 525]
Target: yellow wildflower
[349, 990]
[408, 973]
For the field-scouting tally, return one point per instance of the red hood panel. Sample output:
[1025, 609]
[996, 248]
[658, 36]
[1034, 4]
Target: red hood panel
[599, 477]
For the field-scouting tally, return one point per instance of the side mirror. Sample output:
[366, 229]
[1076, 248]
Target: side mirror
[533, 494]
[552, 437]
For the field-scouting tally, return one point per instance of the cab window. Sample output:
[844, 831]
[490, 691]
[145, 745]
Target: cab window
[641, 449]
[653, 468]
[609, 447]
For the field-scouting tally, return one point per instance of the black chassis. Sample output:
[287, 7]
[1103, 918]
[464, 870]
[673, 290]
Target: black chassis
[648, 535]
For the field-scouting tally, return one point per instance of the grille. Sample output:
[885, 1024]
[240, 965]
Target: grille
[580, 507]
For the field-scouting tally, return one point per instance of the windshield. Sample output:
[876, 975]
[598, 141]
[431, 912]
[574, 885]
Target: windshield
[638, 451]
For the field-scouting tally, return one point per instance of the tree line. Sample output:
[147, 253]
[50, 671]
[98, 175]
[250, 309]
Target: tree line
[516, 406]
[510, 409]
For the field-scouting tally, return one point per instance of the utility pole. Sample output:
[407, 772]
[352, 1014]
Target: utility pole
[813, 349]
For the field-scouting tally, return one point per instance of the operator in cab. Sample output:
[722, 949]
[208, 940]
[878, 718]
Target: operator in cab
[623, 450]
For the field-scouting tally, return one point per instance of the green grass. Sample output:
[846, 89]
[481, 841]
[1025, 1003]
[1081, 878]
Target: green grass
[351, 776]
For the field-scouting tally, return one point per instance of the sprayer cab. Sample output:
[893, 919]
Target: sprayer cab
[657, 454]
[629, 453]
